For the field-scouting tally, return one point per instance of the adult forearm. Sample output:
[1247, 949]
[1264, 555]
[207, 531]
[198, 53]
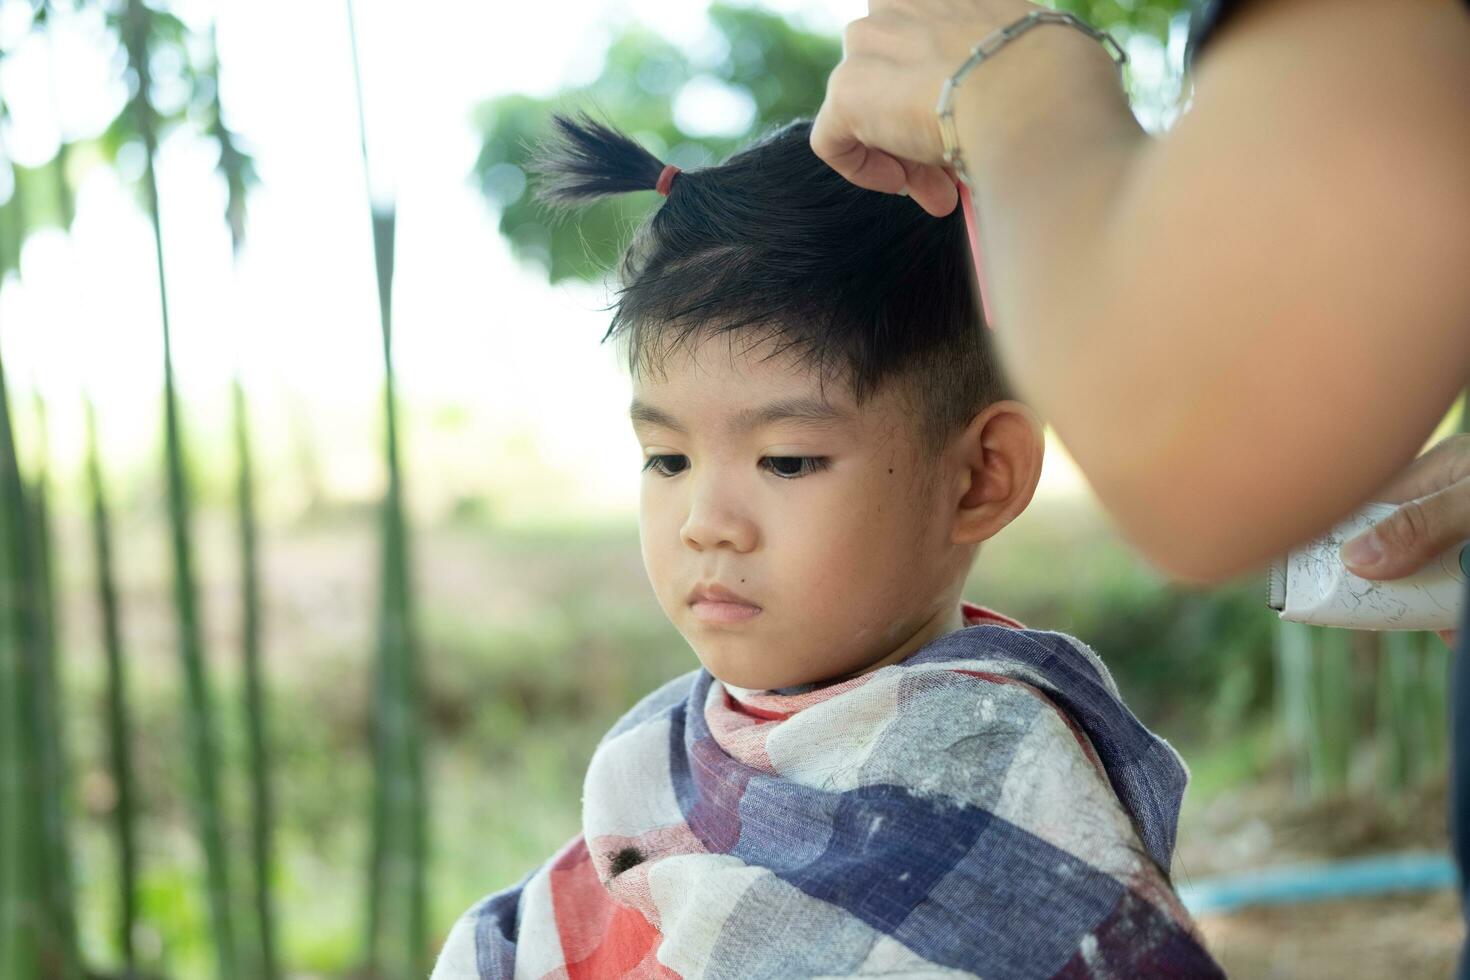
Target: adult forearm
[1242, 329]
[1047, 194]
[1093, 345]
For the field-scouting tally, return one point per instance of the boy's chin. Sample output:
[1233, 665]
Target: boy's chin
[737, 669]
[733, 669]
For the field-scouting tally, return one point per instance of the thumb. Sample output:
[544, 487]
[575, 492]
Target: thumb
[931, 188]
[1407, 539]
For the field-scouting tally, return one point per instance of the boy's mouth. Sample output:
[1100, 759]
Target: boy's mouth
[724, 612]
[716, 604]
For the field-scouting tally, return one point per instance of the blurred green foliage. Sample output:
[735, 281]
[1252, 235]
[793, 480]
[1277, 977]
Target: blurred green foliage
[182, 90]
[1149, 17]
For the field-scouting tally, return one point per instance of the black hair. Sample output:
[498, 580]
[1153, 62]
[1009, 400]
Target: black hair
[773, 243]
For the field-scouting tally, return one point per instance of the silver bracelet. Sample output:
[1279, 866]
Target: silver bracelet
[948, 136]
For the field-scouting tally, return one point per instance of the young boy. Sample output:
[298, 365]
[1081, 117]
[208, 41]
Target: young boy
[868, 776]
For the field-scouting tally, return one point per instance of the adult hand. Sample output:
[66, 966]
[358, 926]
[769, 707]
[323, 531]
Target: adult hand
[877, 125]
[1435, 493]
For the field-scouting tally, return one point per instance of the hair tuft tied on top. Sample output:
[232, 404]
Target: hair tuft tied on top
[584, 160]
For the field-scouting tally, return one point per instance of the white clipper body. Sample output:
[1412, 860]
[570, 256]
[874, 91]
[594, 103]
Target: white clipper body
[1311, 585]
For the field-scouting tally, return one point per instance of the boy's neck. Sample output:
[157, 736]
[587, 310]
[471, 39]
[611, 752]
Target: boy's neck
[946, 621]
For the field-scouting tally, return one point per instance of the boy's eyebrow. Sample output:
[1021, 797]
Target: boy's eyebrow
[802, 411]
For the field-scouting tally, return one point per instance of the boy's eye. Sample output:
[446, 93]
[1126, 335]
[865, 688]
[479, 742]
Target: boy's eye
[792, 467]
[785, 467]
[667, 465]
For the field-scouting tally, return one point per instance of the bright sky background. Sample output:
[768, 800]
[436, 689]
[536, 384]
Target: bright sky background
[507, 391]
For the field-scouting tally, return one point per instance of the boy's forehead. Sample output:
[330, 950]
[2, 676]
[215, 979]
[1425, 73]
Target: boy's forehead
[736, 415]
[721, 373]
[733, 384]
[709, 353]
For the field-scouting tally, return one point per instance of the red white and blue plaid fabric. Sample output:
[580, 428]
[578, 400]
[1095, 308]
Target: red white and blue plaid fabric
[988, 807]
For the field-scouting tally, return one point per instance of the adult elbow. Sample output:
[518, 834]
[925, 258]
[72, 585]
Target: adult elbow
[1192, 528]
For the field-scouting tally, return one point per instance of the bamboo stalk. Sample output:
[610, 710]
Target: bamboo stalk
[1400, 709]
[238, 171]
[22, 920]
[262, 806]
[52, 761]
[405, 780]
[1434, 671]
[1333, 720]
[119, 725]
[399, 848]
[17, 939]
[1295, 698]
[199, 707]
[37, 921]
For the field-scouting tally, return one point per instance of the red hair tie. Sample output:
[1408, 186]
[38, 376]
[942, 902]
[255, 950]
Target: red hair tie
[666, 179]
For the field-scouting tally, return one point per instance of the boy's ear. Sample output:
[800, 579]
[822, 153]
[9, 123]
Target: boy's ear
[999, 456]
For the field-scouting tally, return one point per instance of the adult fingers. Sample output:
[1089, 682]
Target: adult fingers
[875, 125]
[931, 187]
[833, 140]
[1446, 463]
[1407, 539]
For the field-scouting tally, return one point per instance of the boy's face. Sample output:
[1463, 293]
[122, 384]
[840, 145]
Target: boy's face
[818, 522]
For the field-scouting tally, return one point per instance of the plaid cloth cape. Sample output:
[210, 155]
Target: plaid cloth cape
[987, 807]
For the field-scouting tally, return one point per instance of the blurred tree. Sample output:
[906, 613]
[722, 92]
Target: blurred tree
[29, 933]
[38, 922]
[33, 198]
[397, 894]
[53, 762]
[238, 170]
[119, 712]
[144, 32]
[30, 206]
[755, 70]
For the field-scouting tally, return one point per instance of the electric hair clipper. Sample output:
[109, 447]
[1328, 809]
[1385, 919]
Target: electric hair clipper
[1311, 585]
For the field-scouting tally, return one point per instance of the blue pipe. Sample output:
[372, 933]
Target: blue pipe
[1291, 884]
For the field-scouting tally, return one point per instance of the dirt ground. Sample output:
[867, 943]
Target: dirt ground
[1413, 937]
[1410, 936]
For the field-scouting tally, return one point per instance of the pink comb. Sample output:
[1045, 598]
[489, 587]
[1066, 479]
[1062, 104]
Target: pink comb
[974, 229]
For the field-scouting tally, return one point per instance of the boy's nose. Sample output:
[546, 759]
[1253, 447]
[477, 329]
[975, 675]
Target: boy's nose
[715, 521]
